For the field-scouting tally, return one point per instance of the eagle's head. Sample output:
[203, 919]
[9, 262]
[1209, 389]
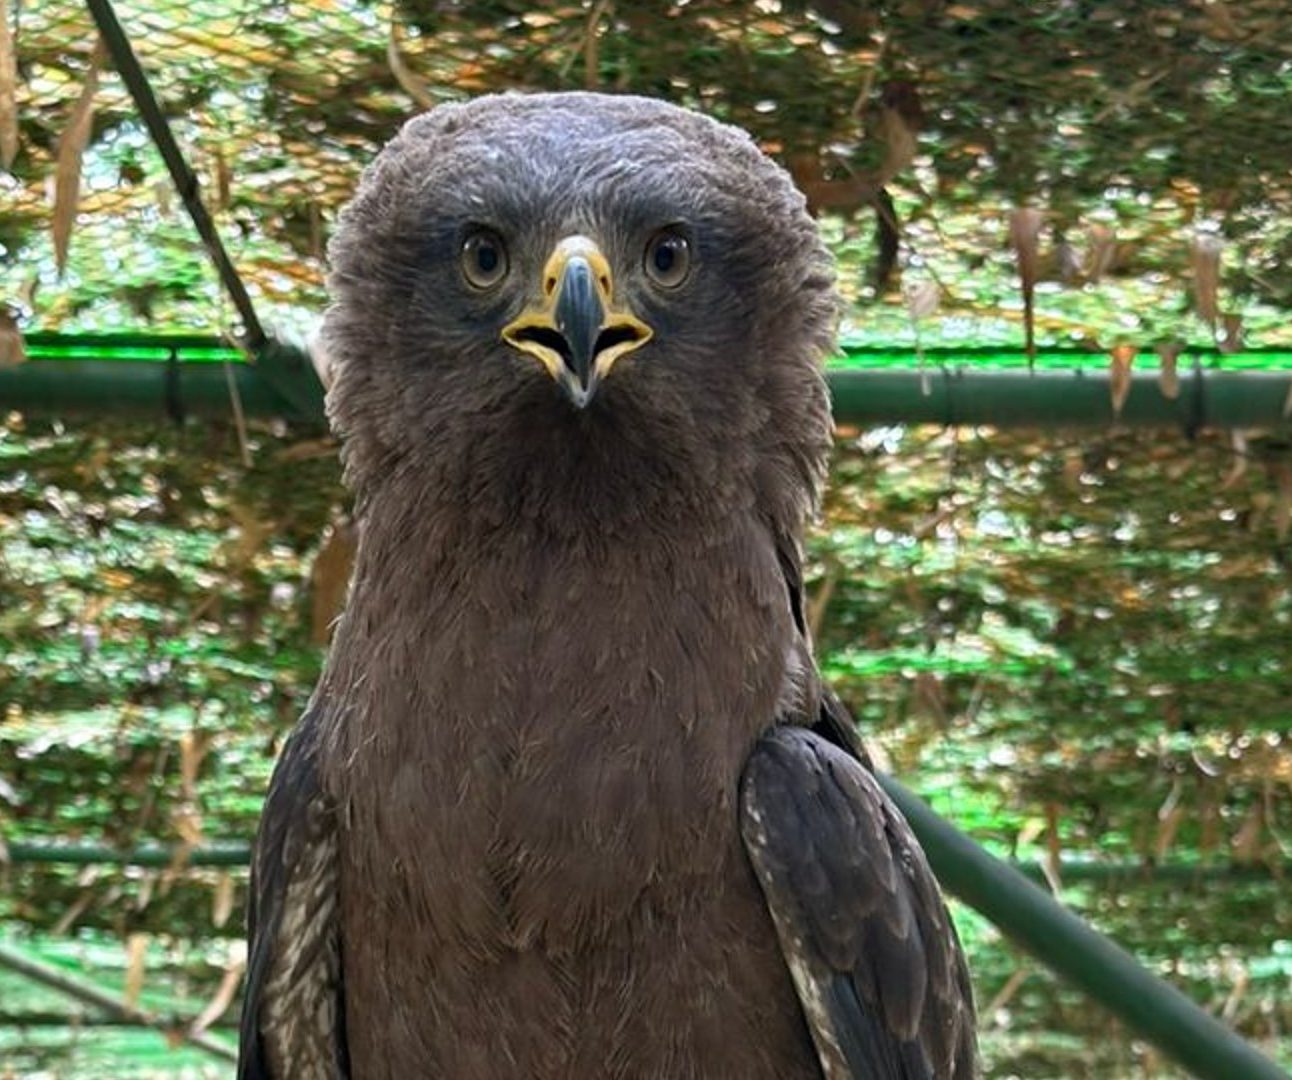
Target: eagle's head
[579, 308]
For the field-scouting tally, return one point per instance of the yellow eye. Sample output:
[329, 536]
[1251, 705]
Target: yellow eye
[484, 259]
[668, 258]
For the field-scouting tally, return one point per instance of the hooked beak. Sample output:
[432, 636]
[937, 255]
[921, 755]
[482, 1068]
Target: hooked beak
[575, 331]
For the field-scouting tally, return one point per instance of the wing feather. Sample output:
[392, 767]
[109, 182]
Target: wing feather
[293, 1020]
[874, 956]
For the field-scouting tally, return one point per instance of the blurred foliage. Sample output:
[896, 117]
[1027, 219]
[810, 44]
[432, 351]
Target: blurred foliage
[1134, 128]
[1075, 645]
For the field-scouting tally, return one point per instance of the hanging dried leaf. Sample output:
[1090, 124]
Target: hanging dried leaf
[1232, 339]
[1053, 848]
[898, 122]
[223, 181]
[1071, 270]
[591, 45]
[12, 350]
[409, 83]
[162, 191]
[1168, 376]
[1025, 239]
[136, 965]
[222, 900]
[1170, 816]
[8, 91]
[900, 144]
[193, 748]
[922, 298]
[71, 149]
[223, 997]
[1246, 843]
[330, 578]
[1119, 375]
[1237, 443]
[1207, 249]
[1101, 251]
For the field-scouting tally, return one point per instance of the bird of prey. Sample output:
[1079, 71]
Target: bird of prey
[570, 799]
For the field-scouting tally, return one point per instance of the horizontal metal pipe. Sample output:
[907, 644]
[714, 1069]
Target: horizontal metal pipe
[163, 376]
[238, 852]
[1068, 946]
[1049, 398]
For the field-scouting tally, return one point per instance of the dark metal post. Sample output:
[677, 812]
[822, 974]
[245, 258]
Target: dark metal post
[183, 177]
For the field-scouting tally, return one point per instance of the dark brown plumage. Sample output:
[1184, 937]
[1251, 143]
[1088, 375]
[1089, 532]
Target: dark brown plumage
[576, 343]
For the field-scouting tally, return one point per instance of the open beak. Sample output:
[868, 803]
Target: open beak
[575, 331]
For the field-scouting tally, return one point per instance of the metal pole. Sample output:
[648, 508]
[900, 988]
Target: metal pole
[1087, 959]
[66, 375]
[182, 176]
[237, 853]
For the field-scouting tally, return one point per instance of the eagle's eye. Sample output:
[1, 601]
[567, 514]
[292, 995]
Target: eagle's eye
[668, 258]
[484, 258]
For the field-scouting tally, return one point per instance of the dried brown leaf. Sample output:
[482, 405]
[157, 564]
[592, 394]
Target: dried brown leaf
[1231, 340]
[193, 747]
[1071, 271]
[221, 999]
[222, 900]
[223, 180]
[8, 91]
[900, 143]
[1119, 375]
[12, 350]
[1246, 843]
[922, 298]
[136, 966]
[1170, 816]
[1207, 249]
[71, 149]
[1168, 376]
[408, 82]
[1101, 251]
[1025, 238]
[330, 578]
[1238, 443]
[1053, 848]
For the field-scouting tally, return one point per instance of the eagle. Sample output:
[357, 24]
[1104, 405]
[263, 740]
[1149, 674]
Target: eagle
[570, 798]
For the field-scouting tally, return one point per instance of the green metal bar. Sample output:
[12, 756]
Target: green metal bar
[237, 853]
[1057, 398]
[160, 375]
[185, 181]
[230, 853]
[94, 995]
[1066, 945]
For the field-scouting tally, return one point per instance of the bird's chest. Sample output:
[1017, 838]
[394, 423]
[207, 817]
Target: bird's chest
[541, 861]
[561, 751]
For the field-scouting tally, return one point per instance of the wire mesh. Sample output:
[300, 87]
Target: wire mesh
[1152, 140]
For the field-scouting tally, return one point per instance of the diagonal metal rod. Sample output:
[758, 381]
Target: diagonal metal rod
[88, 993]
[127, 64]
[1065, 944]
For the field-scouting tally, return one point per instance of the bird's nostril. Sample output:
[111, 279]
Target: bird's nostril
[547, 337]
[616, 335]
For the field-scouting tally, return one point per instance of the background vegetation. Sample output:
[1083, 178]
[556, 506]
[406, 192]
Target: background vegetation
[1075, 644]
